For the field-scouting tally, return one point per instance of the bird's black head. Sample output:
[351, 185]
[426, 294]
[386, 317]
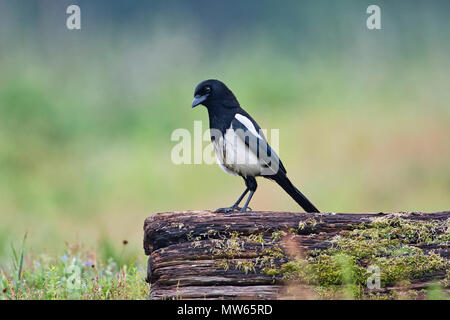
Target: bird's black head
[214, 93]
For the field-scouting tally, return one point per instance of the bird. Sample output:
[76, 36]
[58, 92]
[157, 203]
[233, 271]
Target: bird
[240, 146]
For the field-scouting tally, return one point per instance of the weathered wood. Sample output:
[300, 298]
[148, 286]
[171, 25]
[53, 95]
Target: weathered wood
[255, 292]
[201, 254]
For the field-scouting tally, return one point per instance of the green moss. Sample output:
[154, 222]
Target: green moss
[277, 235]
[308, 224]
[246, 265]
[446, 280]
[275, 252]
[256, 238]
[271, 272]
[410, 231]
[389, 243]
[231, 248]
[396, 269]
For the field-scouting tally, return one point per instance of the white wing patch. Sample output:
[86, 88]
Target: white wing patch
[248, 124]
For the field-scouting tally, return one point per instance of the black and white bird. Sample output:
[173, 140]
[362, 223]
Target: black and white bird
[240, 146]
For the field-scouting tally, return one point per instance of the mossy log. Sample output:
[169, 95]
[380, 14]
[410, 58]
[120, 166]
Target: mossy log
[270, 255]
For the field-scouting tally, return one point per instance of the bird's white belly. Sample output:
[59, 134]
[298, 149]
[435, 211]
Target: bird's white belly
[234, 157]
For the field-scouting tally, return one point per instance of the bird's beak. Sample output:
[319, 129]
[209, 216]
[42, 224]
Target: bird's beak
[198, 99]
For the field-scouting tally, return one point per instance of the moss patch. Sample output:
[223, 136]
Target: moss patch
[391, 245]
[232, 252]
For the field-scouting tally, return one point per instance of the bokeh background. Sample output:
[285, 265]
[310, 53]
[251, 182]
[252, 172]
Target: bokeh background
[86, 116]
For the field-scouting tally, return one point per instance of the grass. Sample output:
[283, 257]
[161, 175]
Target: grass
[77, 274]
[18, 262]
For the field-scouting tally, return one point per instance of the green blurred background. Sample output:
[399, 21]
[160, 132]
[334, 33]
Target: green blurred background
[86, 116]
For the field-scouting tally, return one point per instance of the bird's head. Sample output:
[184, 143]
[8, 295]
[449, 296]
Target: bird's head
[213, 93]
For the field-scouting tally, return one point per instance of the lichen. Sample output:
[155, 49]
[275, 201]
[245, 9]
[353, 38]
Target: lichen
[308, 224]
[277, 235]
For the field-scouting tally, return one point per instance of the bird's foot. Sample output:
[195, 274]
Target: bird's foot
[248, 209]
[229, 209]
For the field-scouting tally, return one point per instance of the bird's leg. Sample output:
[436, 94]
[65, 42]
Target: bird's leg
[245, 207]
[251, 185]
[238, 201]
[235, 206]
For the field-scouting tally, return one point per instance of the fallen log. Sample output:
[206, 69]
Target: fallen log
[270, 255]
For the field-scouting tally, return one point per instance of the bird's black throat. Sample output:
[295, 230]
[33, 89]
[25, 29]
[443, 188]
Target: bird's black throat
[220, 116]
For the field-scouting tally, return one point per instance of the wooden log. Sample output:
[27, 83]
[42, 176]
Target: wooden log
[207, 255]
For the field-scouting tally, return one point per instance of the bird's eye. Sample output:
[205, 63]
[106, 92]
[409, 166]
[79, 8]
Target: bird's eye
[207, 89]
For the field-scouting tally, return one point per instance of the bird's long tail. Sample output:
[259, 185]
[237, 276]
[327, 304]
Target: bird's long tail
[287, 185]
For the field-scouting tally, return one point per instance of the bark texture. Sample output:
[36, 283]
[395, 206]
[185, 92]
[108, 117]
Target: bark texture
[206, 255]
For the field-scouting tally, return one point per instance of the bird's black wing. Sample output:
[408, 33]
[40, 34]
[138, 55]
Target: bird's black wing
[250, 132]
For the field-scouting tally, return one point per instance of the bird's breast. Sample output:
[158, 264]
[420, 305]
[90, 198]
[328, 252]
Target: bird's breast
[234, 156]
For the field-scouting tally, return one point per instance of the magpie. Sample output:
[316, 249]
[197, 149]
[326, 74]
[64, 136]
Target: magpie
[240, 146]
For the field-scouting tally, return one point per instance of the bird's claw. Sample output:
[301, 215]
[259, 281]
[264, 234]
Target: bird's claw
[231, 209]
[248, 209]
